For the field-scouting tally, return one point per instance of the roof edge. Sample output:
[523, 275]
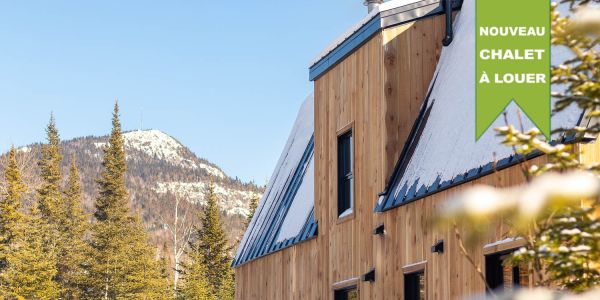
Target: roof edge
[373, 24]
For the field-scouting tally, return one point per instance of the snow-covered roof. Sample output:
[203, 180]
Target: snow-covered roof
[371, 15]
[285, 214]
[388, 14]
[441, 151]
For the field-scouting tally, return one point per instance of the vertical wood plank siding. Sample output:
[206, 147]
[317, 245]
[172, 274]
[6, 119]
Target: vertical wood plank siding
[380, 88]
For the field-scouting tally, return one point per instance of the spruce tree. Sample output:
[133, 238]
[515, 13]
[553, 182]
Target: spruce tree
[72, 258]
[28, 266]
[122, 264]
[49, 195]
[10, 203]
[32, 264]
[62, 214]
[145, 280]
[212, 245]
[195, 284]
[252, 208]
[165, 275]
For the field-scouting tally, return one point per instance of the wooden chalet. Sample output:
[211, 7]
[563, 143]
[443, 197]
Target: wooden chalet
[387, 136]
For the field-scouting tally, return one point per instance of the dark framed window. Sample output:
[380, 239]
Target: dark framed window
[501, 274]
[349, 293]
[345, 177]
[414, 285]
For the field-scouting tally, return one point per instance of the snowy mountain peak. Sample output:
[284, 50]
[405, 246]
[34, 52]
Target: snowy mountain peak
[156, 143]
[162, 146]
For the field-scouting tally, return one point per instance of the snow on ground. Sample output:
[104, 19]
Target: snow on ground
[214, 171]
[233, 202]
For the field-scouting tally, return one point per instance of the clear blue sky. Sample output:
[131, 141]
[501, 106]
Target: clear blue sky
[224, 77]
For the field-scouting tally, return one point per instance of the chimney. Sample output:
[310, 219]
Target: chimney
[372, 4]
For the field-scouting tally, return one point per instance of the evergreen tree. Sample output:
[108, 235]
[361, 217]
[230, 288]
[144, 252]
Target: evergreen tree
[122, 264]
[49, 193]
[165, 275]
[72, 258]
[32, 264]
[10, 202]
[252, 207]
[211, 243]
[145, 280]
[28, 267]
[195, 284]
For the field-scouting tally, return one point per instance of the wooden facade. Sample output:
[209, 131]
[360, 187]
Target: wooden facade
[377, 91]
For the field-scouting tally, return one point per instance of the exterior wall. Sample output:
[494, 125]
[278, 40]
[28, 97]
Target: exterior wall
[348, 95]
[409, 238]
[286, 274]
[377, 91]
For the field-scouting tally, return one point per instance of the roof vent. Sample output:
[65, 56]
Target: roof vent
[372, 4]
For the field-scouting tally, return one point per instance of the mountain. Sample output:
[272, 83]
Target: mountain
[160, 170]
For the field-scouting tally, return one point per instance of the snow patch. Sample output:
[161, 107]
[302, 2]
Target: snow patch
[344, 36]
[158, 144]
[502, 242]
[212, 170]
[289, 160]
[447, 145]
[24, 149]
[301, 206]
[231, 201]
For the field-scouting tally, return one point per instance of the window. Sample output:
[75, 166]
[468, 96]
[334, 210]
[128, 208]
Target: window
[345, 180]
[414, 285]
[500, 274]
[350, 293]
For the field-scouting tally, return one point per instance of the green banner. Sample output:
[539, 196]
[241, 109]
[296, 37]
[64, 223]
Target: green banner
[512, 61]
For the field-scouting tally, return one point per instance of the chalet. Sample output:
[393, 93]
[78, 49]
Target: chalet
[387, 135]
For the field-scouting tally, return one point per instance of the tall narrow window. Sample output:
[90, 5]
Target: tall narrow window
[414, 285]
[500, 274]
[345, 180]
[350, 293]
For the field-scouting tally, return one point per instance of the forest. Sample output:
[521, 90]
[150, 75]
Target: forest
[52, 248]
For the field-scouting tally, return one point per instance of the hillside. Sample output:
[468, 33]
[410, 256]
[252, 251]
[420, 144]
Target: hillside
[160, 169]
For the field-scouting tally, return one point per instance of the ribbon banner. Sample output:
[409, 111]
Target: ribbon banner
[512, 61]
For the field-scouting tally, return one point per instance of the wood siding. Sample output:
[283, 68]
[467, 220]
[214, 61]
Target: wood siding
[378, 90]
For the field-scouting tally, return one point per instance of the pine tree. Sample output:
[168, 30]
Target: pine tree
[211, 243]
[72, 257]
[10, 203]
[122, 264]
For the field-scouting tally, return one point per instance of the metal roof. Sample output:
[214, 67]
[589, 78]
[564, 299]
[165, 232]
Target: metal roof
[292, 182]
[441, 150]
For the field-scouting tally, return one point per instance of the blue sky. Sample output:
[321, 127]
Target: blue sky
[224, 77]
